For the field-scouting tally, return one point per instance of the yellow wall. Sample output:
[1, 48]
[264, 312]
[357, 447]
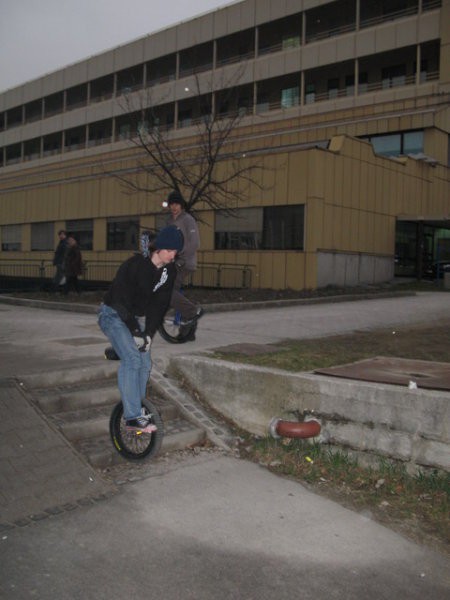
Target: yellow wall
[351, 196]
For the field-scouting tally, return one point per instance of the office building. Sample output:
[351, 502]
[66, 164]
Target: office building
[343, 108]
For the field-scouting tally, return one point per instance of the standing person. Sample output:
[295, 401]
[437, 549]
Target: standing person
[73, 265]
[187, 259]
[58, 259]
[141, 288]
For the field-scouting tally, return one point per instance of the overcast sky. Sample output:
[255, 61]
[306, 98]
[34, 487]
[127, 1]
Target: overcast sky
[40, 36]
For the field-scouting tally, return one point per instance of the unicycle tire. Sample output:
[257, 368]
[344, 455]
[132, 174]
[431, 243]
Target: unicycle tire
[175, 333]
[134, 445]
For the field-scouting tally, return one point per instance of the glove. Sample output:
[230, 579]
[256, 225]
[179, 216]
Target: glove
[143, 342]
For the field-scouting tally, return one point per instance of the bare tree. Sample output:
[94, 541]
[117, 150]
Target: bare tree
[209, 164]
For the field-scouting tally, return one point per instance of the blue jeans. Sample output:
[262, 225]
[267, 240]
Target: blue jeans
[135, 366]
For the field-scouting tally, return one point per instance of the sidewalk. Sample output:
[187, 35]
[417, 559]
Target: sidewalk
[201, 523]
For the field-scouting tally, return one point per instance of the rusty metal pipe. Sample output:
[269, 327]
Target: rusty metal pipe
[294, 429]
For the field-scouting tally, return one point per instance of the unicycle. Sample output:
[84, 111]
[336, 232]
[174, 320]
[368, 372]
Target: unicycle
[134, 445]
[173, 331]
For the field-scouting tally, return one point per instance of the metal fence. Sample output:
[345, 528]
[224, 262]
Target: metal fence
[25, 273]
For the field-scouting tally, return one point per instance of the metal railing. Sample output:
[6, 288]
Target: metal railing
[23, 271]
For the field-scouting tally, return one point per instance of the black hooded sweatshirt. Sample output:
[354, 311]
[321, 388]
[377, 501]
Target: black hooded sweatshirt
[140, 289]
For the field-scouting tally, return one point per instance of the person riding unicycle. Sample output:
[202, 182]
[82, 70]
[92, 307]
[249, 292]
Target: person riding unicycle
[132, 310]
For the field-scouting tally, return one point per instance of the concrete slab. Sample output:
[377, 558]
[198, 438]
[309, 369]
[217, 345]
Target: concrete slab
[217, 528]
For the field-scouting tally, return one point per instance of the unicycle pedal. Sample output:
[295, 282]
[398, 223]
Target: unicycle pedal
[111, 354]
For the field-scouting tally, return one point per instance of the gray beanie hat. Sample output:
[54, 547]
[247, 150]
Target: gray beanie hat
[169, 238]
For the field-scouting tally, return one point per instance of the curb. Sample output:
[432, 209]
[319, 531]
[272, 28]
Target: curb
[212, 308]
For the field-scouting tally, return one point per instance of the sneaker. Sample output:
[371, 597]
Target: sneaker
[140, 425]
[199, 314]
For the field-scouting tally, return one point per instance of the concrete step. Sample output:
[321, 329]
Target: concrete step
[76, 397]
[94, 421]
[103, 369]
[79, 403]
[81, 409]
[178, 434]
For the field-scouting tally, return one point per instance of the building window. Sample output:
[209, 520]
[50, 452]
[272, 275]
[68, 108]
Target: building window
[75, 139]
[350, 85]
[83, 230]
[283, 227]
[393, 76]
[290, 97]
[32, 149]
[412, 142]
[53, 104]
[13, 154]
[14, 117]
[280, 34]
[100, 132]
[240, 231]
[236, 47]
[11, 238]
[387, 145]
[42, 236]
[76, 96]
[333, 88]
[122, 234]
[161, 69]
[52, 144]
[196, 59]
[33, 111]
[396, 144]
[102, 88]
[310, 93]
[270, 228]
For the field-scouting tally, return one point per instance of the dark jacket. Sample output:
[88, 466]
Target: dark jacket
[73, 265]
[140, 289]
[58, 258]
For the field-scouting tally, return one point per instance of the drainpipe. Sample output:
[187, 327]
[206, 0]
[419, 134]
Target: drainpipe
[308, 428]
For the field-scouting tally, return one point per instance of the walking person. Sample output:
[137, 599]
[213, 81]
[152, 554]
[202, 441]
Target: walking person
[58, 260]
[132, 310]
[186, 260]
[73, 265]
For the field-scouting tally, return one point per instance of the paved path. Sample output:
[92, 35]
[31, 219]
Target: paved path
[205, 527]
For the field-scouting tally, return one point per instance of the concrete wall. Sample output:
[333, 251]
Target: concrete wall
[373, 420]
[350, 269]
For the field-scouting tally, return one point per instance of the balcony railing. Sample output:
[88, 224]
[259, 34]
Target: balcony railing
[392, 16]
[326, 33]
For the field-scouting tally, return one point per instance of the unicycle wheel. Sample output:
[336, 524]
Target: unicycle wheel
[173, 332]
[134, 445]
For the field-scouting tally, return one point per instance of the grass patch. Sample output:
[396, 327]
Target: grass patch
[421, 342]
[416, 506]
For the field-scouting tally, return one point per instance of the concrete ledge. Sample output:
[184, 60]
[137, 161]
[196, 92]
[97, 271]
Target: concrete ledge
[389, 421]
[212, 308]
